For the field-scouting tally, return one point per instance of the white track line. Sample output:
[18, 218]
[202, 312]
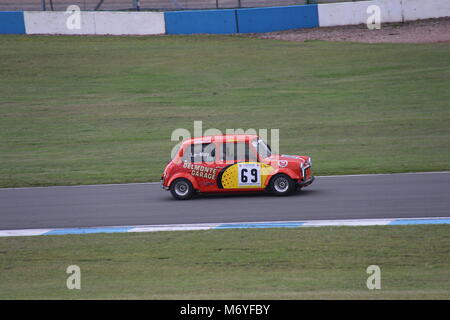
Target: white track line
[225, 226]
[384, 174]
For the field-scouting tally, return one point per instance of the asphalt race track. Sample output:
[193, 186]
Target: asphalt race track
[335, 197]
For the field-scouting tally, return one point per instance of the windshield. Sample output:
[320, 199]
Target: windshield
[262, 147]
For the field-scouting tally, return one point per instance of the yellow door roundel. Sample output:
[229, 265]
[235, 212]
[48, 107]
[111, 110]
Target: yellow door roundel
[244, 175]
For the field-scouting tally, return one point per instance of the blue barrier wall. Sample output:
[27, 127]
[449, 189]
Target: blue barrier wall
[277, 18]
[11, 22]
[201, 21]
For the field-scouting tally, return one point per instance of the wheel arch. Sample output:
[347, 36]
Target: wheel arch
[185, 176]
[290, 173]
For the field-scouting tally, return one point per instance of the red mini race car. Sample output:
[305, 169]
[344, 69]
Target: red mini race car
[233, 163]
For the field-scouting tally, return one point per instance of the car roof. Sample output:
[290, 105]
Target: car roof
[221, 138]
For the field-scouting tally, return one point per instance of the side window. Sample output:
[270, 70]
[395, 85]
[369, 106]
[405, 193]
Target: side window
[262, 148]
[237, 151]
[205, 152]
[228, 152]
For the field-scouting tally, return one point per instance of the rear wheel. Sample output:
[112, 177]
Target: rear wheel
[181, 189]
[281, 185]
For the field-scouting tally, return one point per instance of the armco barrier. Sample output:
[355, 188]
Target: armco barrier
[100, 23]
[277, 18]
[348, 13]
[201, 21]
[12, 22]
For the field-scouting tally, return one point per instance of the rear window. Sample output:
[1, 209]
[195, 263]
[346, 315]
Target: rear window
[204, 152]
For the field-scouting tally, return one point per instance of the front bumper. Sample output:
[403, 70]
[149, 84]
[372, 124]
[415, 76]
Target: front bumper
[306, 172]
[307, 182]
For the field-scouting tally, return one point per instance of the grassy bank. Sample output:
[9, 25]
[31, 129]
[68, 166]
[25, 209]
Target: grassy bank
[304, 263]
[80, 110]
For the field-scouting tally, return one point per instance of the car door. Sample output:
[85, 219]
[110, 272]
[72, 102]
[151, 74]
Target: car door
[239, 167]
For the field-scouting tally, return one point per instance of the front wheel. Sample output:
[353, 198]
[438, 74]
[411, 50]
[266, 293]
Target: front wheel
[281, 185]
[181, 189]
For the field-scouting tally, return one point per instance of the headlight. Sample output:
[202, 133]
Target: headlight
[305, 164]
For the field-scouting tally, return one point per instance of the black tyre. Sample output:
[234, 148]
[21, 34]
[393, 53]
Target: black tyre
[281, 185]
[181, 189]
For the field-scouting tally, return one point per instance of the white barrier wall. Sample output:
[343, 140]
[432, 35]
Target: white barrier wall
[419, 9]
[137, 23]
[99, 23]
[42, 22]
[347, 13]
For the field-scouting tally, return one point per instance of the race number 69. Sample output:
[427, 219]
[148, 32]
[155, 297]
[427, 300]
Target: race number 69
[249, 174]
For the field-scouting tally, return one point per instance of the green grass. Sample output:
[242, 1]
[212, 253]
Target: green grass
[81, 110]
[302, 263]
